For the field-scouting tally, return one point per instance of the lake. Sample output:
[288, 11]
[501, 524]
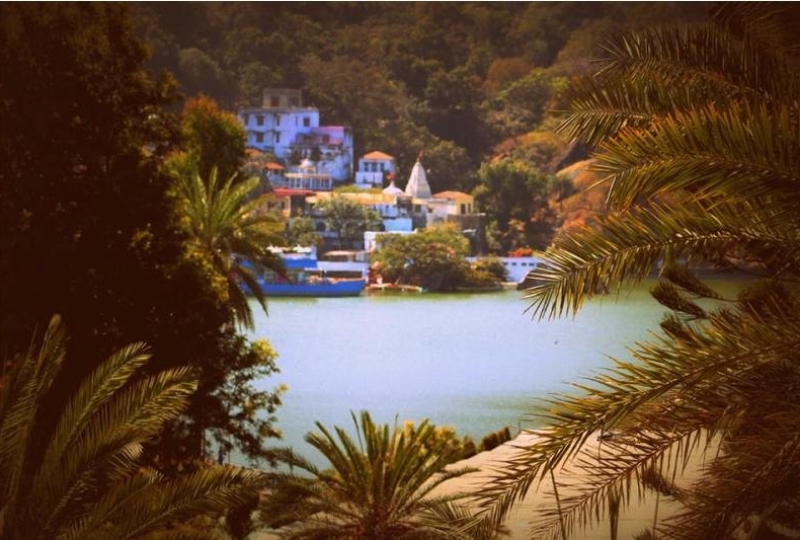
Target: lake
[476, 362]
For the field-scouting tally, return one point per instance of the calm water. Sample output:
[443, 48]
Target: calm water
[476, 362]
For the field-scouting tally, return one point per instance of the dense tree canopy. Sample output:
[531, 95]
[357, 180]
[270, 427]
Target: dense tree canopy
[433, 258]
[89, 226]
[406, 76]
[512, 194]
[348, 219]
[210, 138]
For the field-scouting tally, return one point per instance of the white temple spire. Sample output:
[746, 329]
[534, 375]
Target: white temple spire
[418, 181]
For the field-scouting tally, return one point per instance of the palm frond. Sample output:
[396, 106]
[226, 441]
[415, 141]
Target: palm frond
[136, 414]
[770, 24]
[226, 222]
[23, 391]
[380, 485]
[89, 482]
[701, 55]
[675, 389]
[154, 505]
[735, 153]
[628, 246]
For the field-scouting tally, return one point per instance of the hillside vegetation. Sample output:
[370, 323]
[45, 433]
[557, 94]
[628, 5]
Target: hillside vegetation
[470, 83]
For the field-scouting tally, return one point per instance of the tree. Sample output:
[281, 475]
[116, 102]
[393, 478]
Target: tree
[210, 138]
[378, 488]
[229, 230]
[348, 218]
[701, 171]
[84, 479]
[513, 195]
[301, 232]
[90, 226]
[433, 258]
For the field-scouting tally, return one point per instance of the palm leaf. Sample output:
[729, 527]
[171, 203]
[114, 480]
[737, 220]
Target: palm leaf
[704, 367]
[22, 393]
[380, 485]
[226, 221]
[89, 482]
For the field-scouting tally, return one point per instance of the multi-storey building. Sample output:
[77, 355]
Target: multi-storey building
[283, 126]
[373, 169]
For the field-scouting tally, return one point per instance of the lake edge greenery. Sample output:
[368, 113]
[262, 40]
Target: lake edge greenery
[94, 224]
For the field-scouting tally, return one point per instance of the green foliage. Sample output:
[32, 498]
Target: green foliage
[493, 440]
[102, 241]
[210, 138]
[200, 73]
[405, 77]
[696, 131]
[522, 105]
[514, 195]
[84, 477]
[348, 218]
[443, 442]
[301, 232]
[433, 258]
[492, 266]
[379, 486]
[230, 233]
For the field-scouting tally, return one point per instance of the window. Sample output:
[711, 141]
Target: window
[277, 119]
[277, 137]
[246, 119]
[306, 121]
[274, 101]
[259, 137]
[260, 119]
[463, 208]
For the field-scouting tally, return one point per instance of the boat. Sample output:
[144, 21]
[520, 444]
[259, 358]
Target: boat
[394, 288]
[304, 278]
[319, 287]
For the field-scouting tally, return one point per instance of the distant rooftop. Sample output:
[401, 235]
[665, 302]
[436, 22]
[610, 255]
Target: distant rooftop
[451, 195]
[281, 98]
[378, 155]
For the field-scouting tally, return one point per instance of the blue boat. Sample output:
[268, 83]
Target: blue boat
[304, 278]
[321, 287]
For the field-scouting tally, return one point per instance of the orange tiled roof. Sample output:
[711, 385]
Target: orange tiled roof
[378, 155]
[451, 195]
[272, 166]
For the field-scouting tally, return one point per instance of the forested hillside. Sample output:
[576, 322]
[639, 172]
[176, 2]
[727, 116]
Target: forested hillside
[471, 84]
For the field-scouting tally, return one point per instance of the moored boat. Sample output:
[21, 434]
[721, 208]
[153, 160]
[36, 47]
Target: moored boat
[305, 278]
[393, 288]
[315, 287]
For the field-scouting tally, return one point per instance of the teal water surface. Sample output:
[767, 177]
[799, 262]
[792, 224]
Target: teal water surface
[476, 362]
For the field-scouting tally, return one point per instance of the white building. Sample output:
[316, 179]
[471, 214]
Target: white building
[307, 176]
[373, 169]
[292, 132]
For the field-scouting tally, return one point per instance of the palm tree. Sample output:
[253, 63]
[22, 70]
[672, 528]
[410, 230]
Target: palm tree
[83, 479]
[226, 222]
[378, 488]
[697, 131]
